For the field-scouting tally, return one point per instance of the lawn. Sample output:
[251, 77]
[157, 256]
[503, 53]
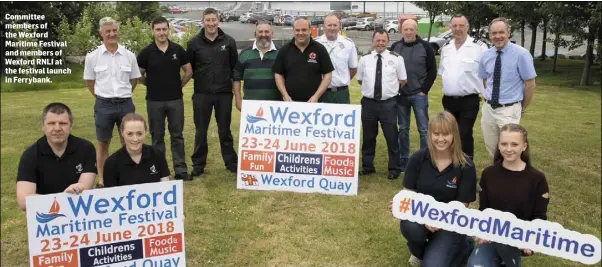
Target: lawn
[229, 227]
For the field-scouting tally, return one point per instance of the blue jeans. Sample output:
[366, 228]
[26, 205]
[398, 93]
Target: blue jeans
[493, 254]
[420, 104]
[441, 248]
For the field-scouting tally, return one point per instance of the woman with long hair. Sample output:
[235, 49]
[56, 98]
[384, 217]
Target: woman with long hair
[443, 171]
[511, 185]
[135, 162]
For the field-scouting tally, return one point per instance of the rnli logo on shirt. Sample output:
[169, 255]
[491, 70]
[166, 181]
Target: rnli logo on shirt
[175, 57]
[342, 46]
[452, 183]
[312, 58]
[78, 168]
[153, 169]
[391, 63]
[223, 47]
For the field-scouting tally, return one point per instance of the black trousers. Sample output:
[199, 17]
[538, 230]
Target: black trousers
[385, 112]
[173, 110]
[203, 105]
[465, 109]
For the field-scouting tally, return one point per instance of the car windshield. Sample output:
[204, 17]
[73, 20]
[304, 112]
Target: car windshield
[443, 34]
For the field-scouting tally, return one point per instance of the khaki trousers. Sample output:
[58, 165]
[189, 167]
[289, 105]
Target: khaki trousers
[492, 120]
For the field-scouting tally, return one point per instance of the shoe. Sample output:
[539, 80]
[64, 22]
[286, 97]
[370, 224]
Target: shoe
[365, 172]
[183, 176]
[232, 170]
[196, 172]
[392, 176]
[414, 260]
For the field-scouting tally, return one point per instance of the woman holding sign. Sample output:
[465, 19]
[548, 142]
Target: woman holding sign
[443, 171]
[135, 162]
[510, 185]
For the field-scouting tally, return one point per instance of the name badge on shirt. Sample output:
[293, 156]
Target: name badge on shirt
[312, 58]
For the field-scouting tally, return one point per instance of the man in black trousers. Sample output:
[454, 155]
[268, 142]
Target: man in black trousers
[213, 55]
[380, 73]
[160, 63]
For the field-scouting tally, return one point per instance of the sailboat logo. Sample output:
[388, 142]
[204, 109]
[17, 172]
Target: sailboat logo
[52, 214]
[258, 116]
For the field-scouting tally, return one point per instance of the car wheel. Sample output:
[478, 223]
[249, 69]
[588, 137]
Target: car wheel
[367, 28]
[392, 31]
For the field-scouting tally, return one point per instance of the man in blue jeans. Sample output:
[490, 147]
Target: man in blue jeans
[421, 69]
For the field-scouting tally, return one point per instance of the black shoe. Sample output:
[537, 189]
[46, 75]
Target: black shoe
[365, 172]
[183, 176]
[392, 176]
[196, 172]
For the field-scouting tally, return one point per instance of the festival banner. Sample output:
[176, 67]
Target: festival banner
[496, 226]
[126, 226]
[299, 147]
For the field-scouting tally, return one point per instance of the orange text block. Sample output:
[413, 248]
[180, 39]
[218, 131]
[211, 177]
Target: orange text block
[162, 245]
[257, 161]
[343, 166]
[63, 258]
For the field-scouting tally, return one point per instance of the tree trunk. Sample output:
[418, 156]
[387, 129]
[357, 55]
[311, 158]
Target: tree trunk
[533, 26]
[556, 45]
[522, 33]
[432, 18]
[585, 77]
[545, 36]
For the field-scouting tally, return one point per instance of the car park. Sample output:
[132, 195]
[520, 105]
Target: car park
[362, 24]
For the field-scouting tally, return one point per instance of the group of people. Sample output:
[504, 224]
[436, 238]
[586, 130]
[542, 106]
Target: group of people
[393, 82]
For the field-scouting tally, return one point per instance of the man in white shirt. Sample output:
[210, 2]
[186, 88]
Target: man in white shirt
[111, 72]
[380, 74]
[343, 55]
[461, 83]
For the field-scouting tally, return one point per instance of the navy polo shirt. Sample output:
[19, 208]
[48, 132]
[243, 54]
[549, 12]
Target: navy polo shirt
[53, 174]
[451, 184]
[302, 71]
[120, 169]
[163, 81]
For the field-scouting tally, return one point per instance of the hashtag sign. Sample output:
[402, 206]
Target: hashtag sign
[404, 205]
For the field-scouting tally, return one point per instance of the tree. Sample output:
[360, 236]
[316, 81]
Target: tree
[434, 9]
[558, 14]
[135, 34]
[587, 18]
[478, 14]
[145, 11]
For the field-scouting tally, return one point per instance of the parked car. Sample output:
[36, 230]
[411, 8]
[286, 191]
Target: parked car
[261, 17]
[225, 17]
[362, 24]
[377, 23]
[439, 41]
[244, 18]
[282, 19]
[176, 10]
[348, 22]
[317, 21]
[392, 26]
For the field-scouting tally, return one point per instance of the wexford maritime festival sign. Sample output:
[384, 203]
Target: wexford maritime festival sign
[496, 226]
[128, 226]
[299, 147]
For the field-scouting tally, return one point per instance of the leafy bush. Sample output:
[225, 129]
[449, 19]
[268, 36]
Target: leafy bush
[135, 34]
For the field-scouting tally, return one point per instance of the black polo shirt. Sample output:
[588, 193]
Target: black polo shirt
[53, 174]
[163, 81]
[120, 169]
[453, 183]
[302, 71]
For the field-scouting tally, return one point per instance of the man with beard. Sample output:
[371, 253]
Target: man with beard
[111, 74]
[213, 55]
[343, 54]
[303, 69]
[461, 83]
[57, 162]
[254, 66]
[421, 67]
[162, 60]
[509, 78]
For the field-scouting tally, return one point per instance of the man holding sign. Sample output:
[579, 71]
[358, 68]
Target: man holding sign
[58, 162]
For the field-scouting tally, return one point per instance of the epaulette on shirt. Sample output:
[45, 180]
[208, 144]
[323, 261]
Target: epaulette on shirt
[349, 39]
[448, 41]
[478, 42]
[394, 53]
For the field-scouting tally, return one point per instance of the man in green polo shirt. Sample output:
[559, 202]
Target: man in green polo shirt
[254, 67]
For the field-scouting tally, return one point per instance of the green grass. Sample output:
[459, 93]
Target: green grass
[229, 227]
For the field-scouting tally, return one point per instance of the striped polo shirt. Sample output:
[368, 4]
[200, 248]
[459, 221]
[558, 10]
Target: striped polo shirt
[256, 73]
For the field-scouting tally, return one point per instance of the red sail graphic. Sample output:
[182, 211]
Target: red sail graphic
[55, 207]
[260, 112]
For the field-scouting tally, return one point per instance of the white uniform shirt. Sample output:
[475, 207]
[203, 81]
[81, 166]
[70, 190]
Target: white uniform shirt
[393, 70]
[111, 72]
[459, 68]
[343, 55]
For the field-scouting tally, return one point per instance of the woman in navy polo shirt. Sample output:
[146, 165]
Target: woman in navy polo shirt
[510, 185]
[135, 162]
[443, 171]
